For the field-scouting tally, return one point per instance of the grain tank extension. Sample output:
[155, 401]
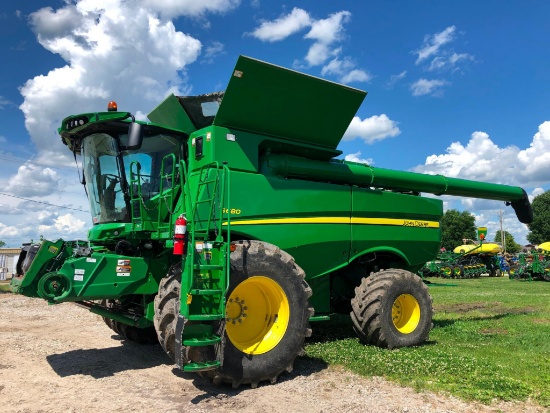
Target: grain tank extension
[225, 225]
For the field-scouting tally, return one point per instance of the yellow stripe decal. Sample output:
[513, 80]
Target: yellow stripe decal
[341, 220]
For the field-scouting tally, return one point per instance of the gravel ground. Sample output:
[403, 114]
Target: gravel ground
[64, 359]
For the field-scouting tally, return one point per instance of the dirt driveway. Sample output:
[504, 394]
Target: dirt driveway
[65, 359]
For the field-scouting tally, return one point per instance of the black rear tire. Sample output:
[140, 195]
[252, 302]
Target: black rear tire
[392, 309]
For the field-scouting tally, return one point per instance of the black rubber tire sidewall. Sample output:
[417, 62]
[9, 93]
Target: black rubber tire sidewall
[372, 309]
[254, 258]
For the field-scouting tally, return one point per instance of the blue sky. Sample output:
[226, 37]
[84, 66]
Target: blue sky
[457, 88]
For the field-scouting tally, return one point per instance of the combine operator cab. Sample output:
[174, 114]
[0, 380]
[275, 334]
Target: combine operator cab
[107, 164]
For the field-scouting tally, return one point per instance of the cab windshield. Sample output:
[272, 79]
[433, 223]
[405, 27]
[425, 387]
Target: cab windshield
[107, 174]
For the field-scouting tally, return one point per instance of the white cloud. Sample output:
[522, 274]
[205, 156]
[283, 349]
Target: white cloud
[52, 24]
[536, 192]
[396, 78]
[356, 75]
[284, 26]
[175, 8]
[329, 30]
[534, 160]
[325, 32]
[459, 57]
[345, 69]
[32, 180]
[481, 159]
[373, 129]
[63, 224]
[356, 157]
[8, 231]
[51, 226]
[437, 51]
[433, 43]
[442, 63]
[428, 87]
[108, 57]
[318, 53]
[3, 102]
[337, 66]
[212, 51]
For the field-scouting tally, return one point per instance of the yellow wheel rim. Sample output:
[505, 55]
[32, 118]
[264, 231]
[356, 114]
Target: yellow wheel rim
[257, 314]
[405, 313]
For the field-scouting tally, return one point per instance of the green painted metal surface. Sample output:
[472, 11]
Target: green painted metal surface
[170, 113]
[274, 101]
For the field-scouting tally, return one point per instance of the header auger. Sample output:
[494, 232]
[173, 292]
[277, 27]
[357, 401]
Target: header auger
[278, 232]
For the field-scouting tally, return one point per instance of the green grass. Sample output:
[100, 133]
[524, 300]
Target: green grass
[491, 340]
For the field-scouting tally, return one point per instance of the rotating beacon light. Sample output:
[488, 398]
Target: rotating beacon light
[112, 106]
[180, 235]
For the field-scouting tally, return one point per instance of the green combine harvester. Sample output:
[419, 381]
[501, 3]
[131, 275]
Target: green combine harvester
[226, 225]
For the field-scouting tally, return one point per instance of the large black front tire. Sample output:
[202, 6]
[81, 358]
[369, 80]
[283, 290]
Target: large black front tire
[267, 316]
[392, 309]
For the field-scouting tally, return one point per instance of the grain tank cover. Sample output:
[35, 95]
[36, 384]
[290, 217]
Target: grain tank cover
[271, 100]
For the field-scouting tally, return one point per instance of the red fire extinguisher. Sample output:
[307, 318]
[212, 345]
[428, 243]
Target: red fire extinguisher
[180, 235]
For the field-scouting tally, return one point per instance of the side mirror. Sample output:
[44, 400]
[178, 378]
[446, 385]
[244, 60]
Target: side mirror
[135, 136]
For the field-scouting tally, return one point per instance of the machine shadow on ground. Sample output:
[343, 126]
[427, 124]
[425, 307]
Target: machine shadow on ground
[339, 327]
[303, 366]
[105, 362]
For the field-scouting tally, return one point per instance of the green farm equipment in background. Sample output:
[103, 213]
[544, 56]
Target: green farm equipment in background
[470, 260]
[225, 226]
[530, 266]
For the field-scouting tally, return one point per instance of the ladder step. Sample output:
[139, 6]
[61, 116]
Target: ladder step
[205, 317]
[206, 340]
[197, 291]
[203, 366]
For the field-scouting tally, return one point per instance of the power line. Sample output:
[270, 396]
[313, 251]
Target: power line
[41, 202]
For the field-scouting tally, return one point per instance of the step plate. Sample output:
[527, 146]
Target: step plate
[204, 366]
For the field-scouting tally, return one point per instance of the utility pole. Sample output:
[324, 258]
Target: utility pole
[502, 234]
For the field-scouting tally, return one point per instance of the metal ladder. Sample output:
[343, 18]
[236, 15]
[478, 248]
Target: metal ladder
[205, 275]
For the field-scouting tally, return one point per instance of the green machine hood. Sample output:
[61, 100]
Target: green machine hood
[270, 100]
